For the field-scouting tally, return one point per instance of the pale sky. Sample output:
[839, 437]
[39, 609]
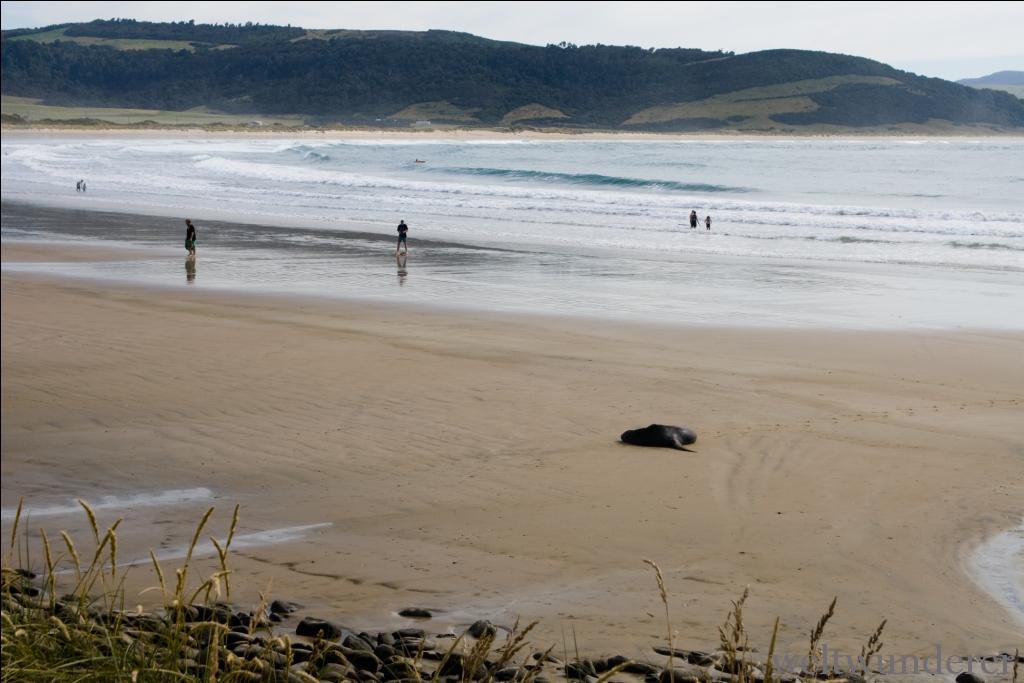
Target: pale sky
[950, 40]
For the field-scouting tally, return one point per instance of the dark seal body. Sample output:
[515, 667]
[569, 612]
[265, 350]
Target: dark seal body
[662, 436]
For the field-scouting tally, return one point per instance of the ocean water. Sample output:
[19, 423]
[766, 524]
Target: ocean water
[861, 233]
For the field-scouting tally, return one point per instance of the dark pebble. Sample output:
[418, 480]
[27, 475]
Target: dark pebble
[398, 669]
[363, 661]
[283, 608]
[384, 651]
[313, 628]
[358, 643]
[481, 627]
[580, 670]
[682, 676]
[415, 613]
[967, 677]
[506, 674]
[452, 666]
[631, 667]
[409, 633]
[334, 673]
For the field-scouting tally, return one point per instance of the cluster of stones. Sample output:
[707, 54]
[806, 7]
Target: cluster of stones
[244, 643]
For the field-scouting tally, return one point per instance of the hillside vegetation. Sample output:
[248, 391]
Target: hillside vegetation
[401, 78]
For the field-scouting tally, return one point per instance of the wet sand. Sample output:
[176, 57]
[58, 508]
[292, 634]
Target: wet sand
[387, 458]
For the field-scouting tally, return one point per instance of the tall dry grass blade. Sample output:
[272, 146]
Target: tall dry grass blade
[1016, 663]
[160, 576]
[533, 672]
[515, 642]
[17, 521]
[668, 620]
[814, 653]
[227, 546]
[607, 675]
[92, 519]
[96, 561]
[444, 660]
[51, 575]
[473, 662]
[234, 525]
[873, 647]
[74, 554]
[733, 638]
[769, 667]
[195, 538]
[113, 548]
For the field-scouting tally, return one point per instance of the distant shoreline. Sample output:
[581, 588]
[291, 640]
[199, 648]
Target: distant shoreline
[487, 133]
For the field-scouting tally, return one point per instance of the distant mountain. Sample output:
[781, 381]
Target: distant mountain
[401, 78]
[1007, 81]
[998, 78]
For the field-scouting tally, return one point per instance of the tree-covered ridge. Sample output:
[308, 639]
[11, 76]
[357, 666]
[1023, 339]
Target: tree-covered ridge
[358, 76]
[215, 34]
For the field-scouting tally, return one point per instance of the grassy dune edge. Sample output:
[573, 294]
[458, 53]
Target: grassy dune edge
[78, 624]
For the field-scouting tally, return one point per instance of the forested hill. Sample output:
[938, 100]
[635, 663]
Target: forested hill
[399, 78]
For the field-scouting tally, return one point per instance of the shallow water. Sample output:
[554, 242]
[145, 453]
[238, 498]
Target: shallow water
[830, 233]
[998, 567]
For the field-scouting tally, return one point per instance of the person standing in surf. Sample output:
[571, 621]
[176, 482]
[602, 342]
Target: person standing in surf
[403, 230]
[190, 238]
[693, 219]
[707, 222]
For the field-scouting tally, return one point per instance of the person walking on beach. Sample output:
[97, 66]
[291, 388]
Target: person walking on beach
[403, 230]
[707, 222]
[693, 219]
[78, 186]
[190, 238]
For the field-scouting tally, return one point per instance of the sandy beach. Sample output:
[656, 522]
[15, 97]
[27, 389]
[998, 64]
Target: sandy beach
[470, 463]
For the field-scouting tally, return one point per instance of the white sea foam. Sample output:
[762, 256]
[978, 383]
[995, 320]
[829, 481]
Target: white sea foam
[997, 565]
[112, 502]
[256, 539]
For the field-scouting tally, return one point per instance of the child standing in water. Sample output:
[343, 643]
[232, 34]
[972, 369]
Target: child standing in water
[190, 238]
[707, 222]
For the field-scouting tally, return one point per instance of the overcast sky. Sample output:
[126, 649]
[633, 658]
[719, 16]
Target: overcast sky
[947, 39]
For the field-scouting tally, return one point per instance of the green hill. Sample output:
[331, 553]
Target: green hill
[401, 78]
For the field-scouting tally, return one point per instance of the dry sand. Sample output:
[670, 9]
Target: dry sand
[470, 463]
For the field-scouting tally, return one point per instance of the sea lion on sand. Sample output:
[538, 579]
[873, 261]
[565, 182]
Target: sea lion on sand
[663, 436]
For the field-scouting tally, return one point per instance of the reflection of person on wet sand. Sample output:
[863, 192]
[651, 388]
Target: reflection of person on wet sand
[402, 272]
[190, 269]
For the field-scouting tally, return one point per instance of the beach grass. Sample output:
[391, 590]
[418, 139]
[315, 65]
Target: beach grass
[88, 632]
